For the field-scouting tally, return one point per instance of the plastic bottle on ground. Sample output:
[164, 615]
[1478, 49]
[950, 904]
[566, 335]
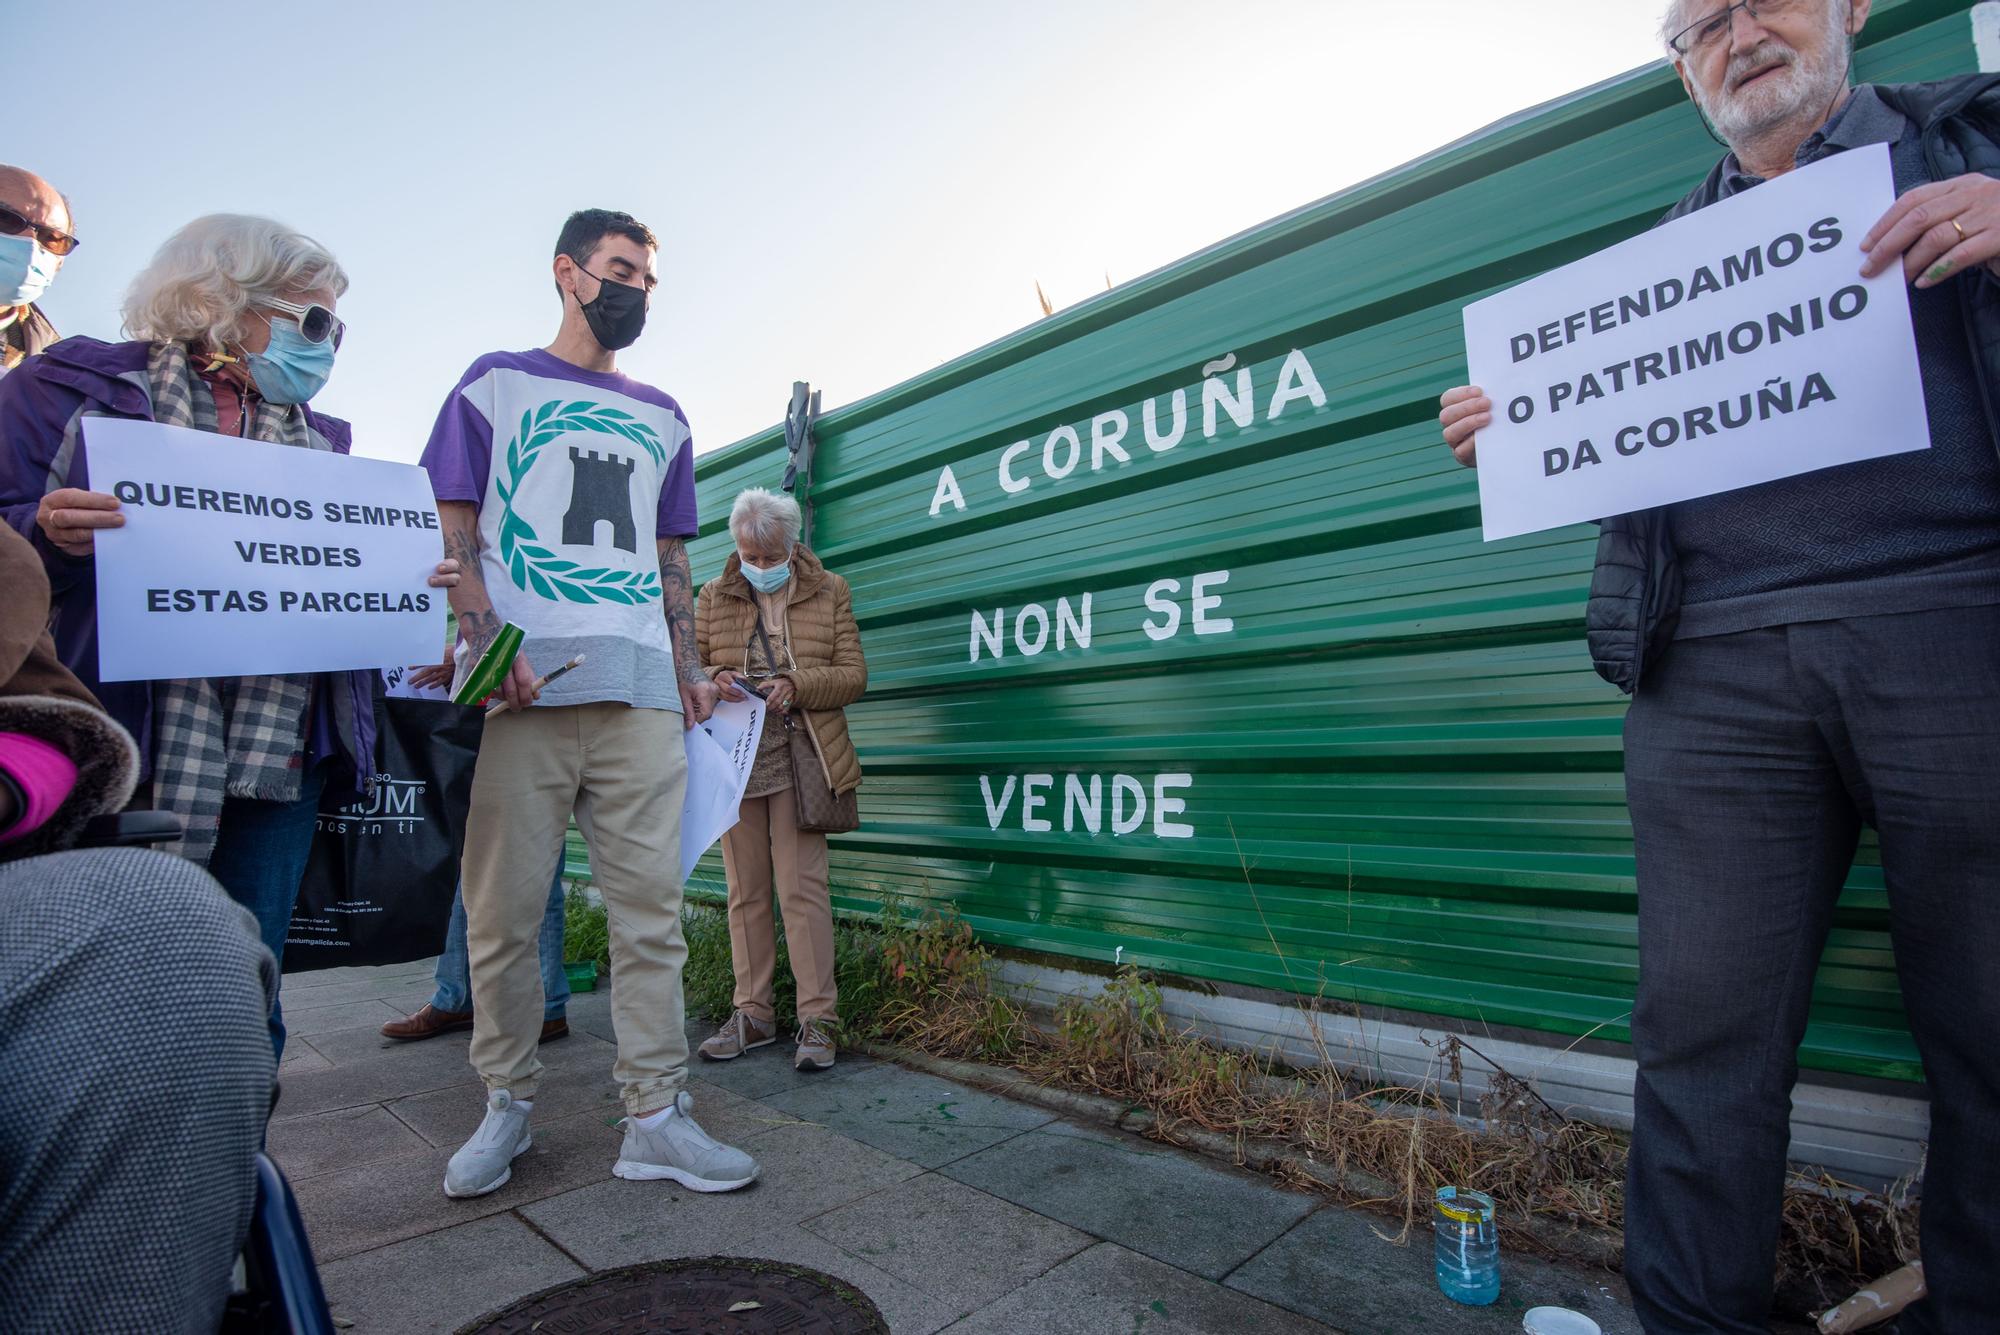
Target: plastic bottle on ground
[1467, 1246]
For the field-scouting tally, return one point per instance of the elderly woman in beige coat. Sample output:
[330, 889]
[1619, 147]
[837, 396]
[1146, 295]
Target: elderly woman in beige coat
[810, 671]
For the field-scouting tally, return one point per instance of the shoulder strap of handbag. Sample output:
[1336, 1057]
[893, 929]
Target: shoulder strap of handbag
[770, 659]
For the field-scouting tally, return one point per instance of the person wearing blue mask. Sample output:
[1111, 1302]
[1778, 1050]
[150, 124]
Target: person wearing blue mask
[777, 622]
[233, 331]
[36, 232]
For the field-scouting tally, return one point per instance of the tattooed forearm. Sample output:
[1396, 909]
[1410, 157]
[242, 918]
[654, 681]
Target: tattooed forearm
[477, 621]
[464, 549]
[677, 593]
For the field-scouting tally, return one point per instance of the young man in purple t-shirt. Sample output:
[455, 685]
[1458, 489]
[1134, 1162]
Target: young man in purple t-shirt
[567, 494]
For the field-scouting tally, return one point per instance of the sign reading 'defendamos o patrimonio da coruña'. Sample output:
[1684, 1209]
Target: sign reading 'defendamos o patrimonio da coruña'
[1732, 346]
[239, 558]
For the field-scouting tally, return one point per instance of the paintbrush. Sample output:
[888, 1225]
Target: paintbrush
[502, 707]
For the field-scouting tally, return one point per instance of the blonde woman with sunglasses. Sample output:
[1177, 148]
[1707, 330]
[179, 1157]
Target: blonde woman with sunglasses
[232, 330]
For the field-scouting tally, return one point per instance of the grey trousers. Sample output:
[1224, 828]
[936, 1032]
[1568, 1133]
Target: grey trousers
[1752, 761]
[137, 1079]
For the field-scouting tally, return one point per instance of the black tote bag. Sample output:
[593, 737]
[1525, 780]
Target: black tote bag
[379, 884]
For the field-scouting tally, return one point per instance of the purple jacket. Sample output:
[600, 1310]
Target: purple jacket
[42, 402]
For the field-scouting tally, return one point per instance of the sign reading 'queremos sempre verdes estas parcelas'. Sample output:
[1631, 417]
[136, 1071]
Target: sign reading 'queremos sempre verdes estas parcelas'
[239, 558]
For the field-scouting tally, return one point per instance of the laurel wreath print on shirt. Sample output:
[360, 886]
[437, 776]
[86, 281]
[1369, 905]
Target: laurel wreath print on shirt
[534, 567]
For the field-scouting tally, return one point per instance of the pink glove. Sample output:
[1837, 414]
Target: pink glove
[44, 775]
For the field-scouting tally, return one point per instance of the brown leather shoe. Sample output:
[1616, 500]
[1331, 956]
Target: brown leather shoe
[554, 1029]
[428, 1022]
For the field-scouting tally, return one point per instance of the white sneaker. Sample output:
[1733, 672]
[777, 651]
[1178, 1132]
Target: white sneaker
[485, 1162]
[679, 1150]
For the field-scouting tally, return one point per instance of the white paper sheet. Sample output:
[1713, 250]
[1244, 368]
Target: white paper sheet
[720, 753]
[396, 685]
[1733, 346]
[239, 558]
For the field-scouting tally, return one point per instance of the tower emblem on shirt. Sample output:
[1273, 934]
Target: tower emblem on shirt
[600, 490]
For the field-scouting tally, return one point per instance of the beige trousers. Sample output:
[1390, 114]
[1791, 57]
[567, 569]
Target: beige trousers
[623, 771]
[767, 845]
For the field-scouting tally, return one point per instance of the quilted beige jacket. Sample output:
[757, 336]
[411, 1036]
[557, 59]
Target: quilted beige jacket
[819, 621]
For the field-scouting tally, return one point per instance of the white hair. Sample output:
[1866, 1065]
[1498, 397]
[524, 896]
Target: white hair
[208, 275]
[1670, 26]
[762, 517]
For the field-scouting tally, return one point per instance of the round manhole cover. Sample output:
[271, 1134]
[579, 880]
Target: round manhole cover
[717, 1293]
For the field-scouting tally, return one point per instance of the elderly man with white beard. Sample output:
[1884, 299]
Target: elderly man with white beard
[1808, 657]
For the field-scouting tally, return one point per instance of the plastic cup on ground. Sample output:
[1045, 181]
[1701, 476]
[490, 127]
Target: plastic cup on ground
[1466, 1246]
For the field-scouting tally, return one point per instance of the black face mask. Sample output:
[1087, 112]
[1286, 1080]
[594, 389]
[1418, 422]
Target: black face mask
[617, 314]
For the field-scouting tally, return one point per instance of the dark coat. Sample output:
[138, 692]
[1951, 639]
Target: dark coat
[25, 337]
[1635, 592]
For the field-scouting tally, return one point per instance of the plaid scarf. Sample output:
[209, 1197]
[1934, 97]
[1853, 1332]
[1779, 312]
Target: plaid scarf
[222, 737]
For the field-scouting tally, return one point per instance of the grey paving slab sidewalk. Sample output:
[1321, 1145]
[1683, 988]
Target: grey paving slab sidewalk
[953, 1209]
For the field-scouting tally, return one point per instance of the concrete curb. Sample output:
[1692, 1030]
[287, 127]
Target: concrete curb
[1582, 1244]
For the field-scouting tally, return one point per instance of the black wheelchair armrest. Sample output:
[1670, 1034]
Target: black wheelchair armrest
[130, 829]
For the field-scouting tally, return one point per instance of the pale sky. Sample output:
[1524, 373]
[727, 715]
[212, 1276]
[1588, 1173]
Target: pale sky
[849, 193]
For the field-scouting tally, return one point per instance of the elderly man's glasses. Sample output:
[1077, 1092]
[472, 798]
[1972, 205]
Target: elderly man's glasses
[316, 322]
[1706, 33]
[54, 242]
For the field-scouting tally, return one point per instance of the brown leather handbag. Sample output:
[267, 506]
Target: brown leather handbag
[820, 809]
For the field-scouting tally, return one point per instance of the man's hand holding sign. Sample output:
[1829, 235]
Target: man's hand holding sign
[1938, 231]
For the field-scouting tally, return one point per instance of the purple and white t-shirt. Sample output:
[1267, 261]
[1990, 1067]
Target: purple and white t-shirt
[575, 474]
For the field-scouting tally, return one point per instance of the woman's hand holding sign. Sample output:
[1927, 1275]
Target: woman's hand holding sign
[70, 517]
[1938, 230]
[1466, 411]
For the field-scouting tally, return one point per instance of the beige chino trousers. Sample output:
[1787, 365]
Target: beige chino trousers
[623, 771]
[764, 846]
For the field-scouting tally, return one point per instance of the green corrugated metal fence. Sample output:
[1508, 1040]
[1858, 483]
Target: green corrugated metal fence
[1373, 760]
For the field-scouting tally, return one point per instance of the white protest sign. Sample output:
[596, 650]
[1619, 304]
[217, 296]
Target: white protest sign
[720, 753]
[239, 558]
[1730, 347]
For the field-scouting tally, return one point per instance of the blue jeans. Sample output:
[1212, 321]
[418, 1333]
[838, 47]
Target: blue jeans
[260, 858]
[454, 971]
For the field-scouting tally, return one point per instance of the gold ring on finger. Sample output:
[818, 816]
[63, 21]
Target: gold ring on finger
[1956, 228]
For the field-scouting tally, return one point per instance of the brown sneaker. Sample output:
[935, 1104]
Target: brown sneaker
[428, 1022]
[739, 1034]
[815, 1045]
[555, 1029]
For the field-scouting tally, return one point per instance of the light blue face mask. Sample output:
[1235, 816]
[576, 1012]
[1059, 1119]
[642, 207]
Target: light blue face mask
[767, 581]
[26, 270]
[292, 369]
